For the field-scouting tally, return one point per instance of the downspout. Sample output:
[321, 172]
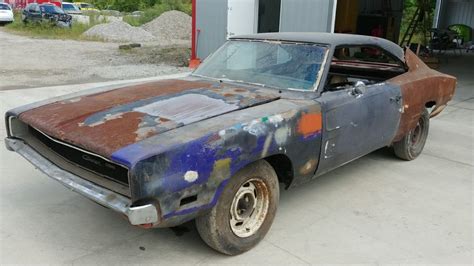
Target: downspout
[334, 11]
[194, 61]
[437, 13]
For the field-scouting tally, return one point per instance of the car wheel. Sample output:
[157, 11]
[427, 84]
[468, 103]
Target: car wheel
[245, 211]
[412, 144]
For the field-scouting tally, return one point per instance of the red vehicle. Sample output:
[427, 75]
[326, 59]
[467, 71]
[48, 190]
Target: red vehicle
[20, 4]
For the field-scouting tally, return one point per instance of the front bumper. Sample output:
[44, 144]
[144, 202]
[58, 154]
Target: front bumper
[137, 215]
[6, 19]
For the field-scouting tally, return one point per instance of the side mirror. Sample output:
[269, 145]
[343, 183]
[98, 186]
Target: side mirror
[358, 89]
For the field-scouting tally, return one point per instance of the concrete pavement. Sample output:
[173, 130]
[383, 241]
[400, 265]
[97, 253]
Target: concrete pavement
[377, 209]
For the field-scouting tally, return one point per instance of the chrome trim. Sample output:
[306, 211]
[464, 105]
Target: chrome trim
[137, 215]
[10, 132]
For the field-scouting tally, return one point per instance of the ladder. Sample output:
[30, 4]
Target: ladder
[408, 35]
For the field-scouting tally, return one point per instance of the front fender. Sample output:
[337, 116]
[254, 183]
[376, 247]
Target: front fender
[187, 177]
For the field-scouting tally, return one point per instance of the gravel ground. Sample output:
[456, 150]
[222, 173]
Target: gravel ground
[31, 62]
[119, 31]
[170, 25]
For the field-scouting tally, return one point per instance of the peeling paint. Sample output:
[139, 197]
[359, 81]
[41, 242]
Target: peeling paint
[281, 135]
[191, 176]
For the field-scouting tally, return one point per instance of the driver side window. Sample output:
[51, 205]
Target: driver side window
[361, 63]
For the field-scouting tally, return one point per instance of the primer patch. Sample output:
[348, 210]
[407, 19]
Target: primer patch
[191, 176]
[187, 108]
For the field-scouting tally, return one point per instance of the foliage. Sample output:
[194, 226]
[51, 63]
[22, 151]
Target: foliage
[425, 25]
[142, 5]
[160, 7]
[47, 30]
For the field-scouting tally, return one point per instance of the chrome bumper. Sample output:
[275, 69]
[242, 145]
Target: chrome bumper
[145, 214]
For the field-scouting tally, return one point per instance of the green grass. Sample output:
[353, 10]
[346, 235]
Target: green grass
[48, 31]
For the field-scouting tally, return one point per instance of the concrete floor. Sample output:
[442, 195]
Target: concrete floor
[377, 209]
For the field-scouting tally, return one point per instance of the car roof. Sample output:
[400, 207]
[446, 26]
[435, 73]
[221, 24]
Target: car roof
[333, 39]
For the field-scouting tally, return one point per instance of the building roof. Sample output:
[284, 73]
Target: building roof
[333, 39]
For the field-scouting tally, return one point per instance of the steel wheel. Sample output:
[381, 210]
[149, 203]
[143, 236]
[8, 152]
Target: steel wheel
[411, 145]
[249, 208]
[244, 212]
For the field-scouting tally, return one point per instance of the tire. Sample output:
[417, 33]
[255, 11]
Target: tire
[246, 230]
[412, 144]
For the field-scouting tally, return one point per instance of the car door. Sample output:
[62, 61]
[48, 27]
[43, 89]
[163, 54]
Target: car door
[34, 13]
[357, 119]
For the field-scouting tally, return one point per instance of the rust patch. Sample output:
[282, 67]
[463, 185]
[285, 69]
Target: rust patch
[419, 86]
[309, 124]
[309, 167]
[62, 120]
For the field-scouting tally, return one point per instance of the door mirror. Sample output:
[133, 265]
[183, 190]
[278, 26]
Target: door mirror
[359, 89]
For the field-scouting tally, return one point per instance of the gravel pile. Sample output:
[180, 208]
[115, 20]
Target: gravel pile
[120, 32]
[170, 25]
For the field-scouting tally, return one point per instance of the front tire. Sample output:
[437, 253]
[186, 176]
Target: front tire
[244, 212]
[412, 144]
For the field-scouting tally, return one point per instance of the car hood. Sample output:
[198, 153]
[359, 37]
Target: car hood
[108, 121]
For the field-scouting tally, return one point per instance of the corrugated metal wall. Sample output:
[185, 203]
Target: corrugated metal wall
[306, 15]
[211, 20]
[456, 12]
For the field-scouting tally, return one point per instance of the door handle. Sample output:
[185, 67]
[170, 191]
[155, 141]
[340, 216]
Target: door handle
[396, 99]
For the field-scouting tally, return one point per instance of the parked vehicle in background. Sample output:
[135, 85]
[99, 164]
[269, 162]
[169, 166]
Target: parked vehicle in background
[35, 13]
[86, 6]
[71, 8]
[6, 14]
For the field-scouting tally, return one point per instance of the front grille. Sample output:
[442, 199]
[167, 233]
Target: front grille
[83, 159]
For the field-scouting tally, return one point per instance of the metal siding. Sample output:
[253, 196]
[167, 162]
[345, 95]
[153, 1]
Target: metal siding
[211, 20]
[306, 15]
[457, 12]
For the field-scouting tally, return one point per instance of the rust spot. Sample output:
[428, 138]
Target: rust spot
[240, 90]
[420, 85]
[309, 167]
[309, 124]
[162, 119]
[228, 94]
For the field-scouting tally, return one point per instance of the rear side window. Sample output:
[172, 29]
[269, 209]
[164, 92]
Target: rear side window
[364, 54]
[369, 64]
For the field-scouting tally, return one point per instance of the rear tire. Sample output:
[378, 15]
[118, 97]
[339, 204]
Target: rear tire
[245, 211]
[412, 144]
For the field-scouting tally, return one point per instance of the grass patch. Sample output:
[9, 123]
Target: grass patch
[48, 31]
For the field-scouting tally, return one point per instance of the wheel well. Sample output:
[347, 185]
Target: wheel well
[283, 167]
[430, 104]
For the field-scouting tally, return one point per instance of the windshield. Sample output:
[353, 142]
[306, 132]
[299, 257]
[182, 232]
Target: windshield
[4, 7]
[51, 9]
[273, 64]
[87, 6]
[70, 7]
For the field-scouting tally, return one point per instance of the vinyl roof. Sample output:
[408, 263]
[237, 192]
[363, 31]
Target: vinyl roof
[333, 39]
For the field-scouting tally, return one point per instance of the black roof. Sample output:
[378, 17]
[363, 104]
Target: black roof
[333, 39]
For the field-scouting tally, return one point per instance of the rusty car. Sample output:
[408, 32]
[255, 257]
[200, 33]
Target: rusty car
[214, 146]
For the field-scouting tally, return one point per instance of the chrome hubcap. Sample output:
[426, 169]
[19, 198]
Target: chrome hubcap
[249, 208]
